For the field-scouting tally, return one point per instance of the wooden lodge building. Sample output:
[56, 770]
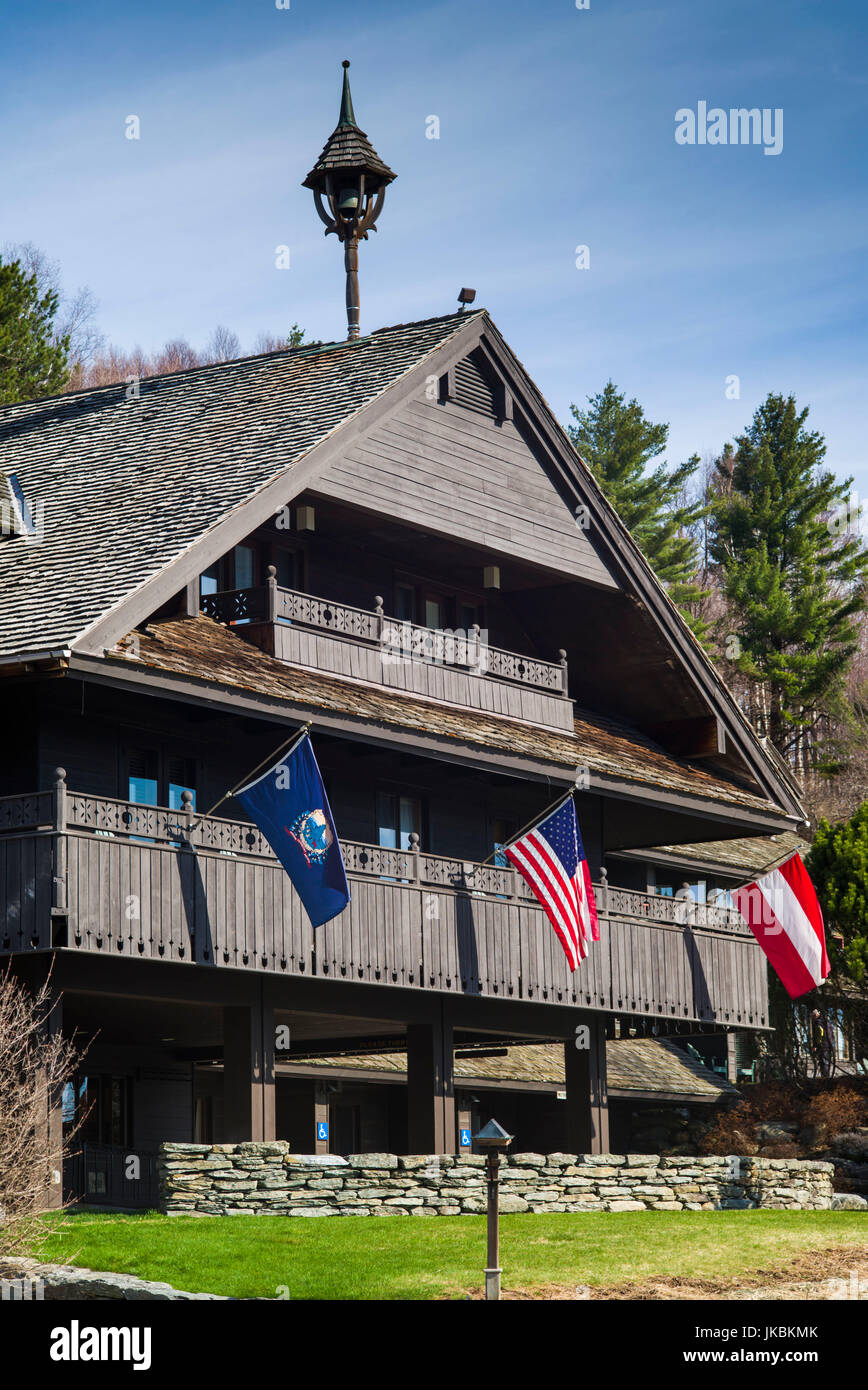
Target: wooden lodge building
[390, 537]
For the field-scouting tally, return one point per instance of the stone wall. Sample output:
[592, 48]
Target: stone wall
[25, 1280]
[246, 1179]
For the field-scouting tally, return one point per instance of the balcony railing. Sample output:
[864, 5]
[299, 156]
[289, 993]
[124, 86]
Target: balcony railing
[396, 639]
[107, 876]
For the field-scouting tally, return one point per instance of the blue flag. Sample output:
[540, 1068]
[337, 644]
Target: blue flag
[290, 806]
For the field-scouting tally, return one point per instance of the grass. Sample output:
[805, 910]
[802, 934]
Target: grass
[363, 1257]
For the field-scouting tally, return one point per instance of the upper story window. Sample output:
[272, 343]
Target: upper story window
[398, 817]
[246, 567]
[435, 607]
[160, 781]
[144, 785]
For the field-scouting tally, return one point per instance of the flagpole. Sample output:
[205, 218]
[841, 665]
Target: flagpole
[287, 746]
[547, 811]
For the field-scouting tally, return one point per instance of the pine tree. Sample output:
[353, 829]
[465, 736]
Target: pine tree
[618, 444]
[33, 362]
[792, 571]
[838, 865]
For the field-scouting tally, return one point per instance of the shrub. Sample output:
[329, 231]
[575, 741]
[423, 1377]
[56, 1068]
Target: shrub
[853, 1146]
[839, 1109]
[36, 1062]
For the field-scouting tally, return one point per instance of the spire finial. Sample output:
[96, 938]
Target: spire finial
[349, 182]
[348, 115]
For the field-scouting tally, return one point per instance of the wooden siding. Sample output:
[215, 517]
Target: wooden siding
[129, 885]
[456, 472]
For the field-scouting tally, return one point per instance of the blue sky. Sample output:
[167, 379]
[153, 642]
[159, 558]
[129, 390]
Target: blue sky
[556, 130]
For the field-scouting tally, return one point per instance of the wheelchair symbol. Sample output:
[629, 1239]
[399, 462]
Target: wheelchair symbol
[322, 1130]
[464, 1142]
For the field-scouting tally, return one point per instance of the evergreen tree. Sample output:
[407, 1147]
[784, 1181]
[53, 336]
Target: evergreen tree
[33, 362]
[838, 865]
[618, 444]
[792, 571]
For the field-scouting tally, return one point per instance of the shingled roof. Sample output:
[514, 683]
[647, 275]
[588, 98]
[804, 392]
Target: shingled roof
[201, 649]
[348, 147]
[632, 1064]
[748, 855]
[125, 486]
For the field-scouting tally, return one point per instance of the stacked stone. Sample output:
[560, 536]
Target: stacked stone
[251, 1179]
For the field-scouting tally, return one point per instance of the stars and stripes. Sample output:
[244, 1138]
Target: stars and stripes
[551, 860]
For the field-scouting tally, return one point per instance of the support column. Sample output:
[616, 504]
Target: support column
[587, 1105]
[248, 1072]
[464, 1125]
[732, 1058]
[321, 1108]
[430, 1088]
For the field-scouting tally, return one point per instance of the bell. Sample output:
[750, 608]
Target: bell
[348, 201]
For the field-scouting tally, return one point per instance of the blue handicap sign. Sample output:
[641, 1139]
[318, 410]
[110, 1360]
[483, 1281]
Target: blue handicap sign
[322, 1129]
[465, 1140]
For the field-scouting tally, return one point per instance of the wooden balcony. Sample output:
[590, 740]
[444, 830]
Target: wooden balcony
[83, 873]
[458, 667]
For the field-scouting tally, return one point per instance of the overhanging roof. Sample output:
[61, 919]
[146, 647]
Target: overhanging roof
[205, 652]
[646, 1066]
[141, 495]
[741, 858]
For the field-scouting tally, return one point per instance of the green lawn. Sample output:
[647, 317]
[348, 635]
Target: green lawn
[364, 1257]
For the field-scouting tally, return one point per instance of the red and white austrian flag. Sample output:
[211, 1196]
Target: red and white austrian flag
[782, 911]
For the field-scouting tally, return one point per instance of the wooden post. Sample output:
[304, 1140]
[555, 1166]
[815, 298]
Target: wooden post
[414, 850]
[59, 903]
[271, 597]
[430, 1088]
[565, 686]
[732, 1057]
[248, 1072]
[587, 1105]
[351, 265]
[190, 599]
[603, 904]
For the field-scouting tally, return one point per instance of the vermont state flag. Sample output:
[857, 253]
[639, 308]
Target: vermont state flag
[289, 804]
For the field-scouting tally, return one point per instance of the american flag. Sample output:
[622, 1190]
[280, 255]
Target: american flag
[551, 860]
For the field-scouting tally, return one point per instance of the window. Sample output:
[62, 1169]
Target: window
[405, 603]
[468, 615]
[245, 566]
[209, 580]
[286, 564]
[105, 1105]
[435, 616]
[144, 777]
[182, 778]
[398, 817]
[437, 608]
[156, 780]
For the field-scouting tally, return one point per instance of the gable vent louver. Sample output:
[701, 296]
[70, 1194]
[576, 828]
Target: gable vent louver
[473, 390]
[15, 515]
